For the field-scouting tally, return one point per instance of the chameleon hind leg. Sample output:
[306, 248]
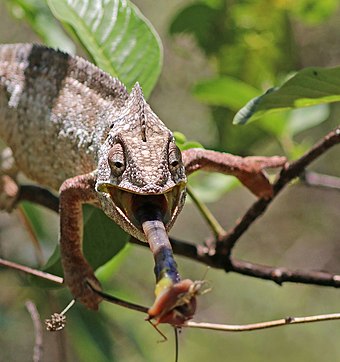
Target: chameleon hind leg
[12, 192]
[9, 188]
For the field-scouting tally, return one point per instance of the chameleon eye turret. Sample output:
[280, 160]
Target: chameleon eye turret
[116, 160]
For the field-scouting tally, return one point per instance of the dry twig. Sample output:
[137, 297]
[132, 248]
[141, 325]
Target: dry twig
[58, 320]
[38, 343]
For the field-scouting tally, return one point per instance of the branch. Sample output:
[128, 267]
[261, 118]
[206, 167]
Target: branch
[123, 303]
[226, 327]
[226, 243]
[280, 275]
[28, 270]
[262, 325]
[319, 180]
[219, 257]
[38, 344]
[58, 320]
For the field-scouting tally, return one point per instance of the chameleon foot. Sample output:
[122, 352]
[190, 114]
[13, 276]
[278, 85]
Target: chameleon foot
[79, 282]
[9, 191]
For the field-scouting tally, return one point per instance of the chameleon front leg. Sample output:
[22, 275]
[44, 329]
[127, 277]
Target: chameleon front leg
[249, 170]
[77, 272]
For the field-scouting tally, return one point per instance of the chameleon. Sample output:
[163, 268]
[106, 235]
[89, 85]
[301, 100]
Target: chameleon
[74, 129]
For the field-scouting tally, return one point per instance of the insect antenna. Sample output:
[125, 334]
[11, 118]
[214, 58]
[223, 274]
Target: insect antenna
[159, 331]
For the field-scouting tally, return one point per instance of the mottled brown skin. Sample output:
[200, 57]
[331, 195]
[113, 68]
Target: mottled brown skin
[73, 128]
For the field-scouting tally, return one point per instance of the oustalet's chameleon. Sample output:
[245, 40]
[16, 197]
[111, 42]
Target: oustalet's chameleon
[73, 128]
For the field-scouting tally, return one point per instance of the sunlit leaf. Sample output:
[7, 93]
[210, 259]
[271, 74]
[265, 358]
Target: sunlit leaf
[310, 86]
[119, 38]
[42, 21]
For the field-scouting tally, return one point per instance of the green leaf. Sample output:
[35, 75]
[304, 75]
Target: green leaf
[42, 21]
[180, 138]
[308, 87]
[314, 11]
[91, 336]
[224, 91]
[33, 213]
[200, 20]
[102, 240]
[210, 187]
[119, 38]
[184, 144]
[304, 118]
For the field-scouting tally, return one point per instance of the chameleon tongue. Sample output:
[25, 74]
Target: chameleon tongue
[175, 299]
[165, 266]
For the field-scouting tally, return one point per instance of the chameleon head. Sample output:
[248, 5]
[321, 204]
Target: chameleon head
[140, 165]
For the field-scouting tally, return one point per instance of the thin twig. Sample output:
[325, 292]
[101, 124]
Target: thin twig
[38, 343]
[262, 325]
[280, 275]
[28, 270]
[230, 328]
[215, 226]
[111, 299]
[319, 180]
[190, 324]
[287, 174]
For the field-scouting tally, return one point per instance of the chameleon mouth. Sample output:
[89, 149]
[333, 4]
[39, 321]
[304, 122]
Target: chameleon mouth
[131, 205]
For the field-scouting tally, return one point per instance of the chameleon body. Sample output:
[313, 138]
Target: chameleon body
[73, 128]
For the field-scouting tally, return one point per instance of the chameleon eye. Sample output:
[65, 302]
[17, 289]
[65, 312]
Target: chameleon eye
[116, 159]
[175, 157]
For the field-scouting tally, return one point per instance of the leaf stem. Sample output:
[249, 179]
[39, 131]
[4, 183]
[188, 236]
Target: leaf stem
[215, 226]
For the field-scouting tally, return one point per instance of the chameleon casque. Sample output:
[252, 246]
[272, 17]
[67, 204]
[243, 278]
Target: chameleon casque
[74, 129]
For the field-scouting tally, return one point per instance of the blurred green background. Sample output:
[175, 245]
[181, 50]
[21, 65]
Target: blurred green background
[259, 43]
